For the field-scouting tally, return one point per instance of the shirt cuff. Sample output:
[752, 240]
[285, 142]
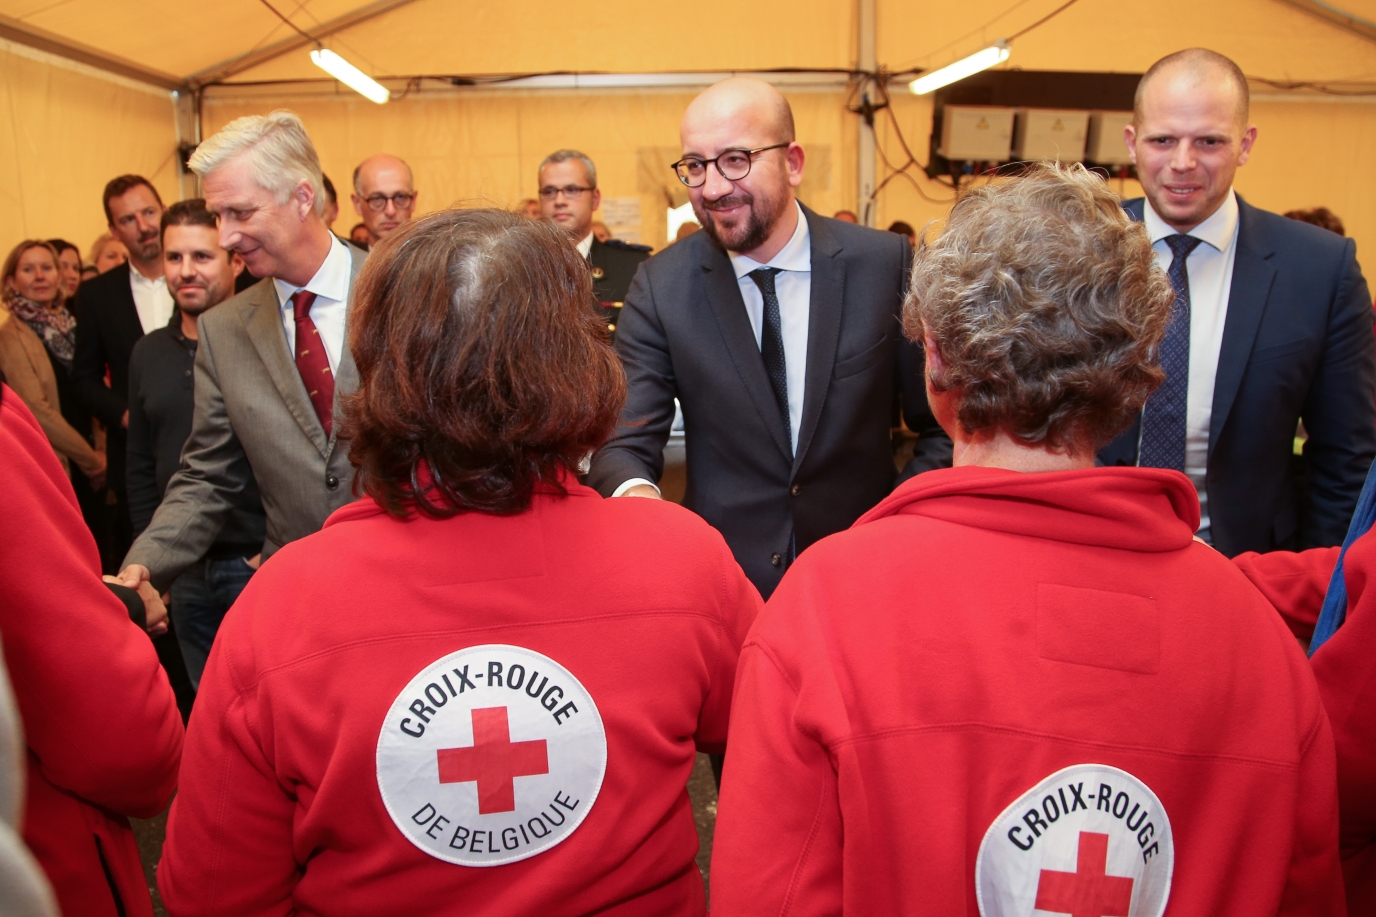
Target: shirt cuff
[627, 485]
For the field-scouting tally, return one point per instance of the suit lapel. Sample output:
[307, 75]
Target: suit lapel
[724, 299]
[346, 379]
[262, 318]
[1252, 279]
[823, 326]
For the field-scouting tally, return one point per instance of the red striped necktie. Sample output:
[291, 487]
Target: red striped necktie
[311, 360]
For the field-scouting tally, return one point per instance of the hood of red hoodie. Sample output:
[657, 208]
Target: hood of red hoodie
[1135, 509]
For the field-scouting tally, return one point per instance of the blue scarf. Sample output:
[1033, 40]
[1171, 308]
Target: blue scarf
[1335, 601]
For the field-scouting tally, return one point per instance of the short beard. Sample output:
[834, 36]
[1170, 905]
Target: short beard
[759, 223]
[148, 251]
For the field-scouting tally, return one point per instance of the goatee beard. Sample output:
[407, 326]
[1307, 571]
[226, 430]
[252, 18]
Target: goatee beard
[745, 238]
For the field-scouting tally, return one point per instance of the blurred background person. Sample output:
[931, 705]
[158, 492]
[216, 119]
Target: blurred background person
[37, 341]
[1056, 647]
[845, 216]
[101, 726]
[331, 201]
[686, 229]
[360, 236]
[600, 231]
[107, 252]
[200, 275]
[112, 312]
[530, 209]
[455, 320]
[568, 198]
[68, 267]
[904, 229]
[384, 194]
[1321, 217]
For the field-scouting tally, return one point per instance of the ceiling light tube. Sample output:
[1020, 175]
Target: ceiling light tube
[996, 53]
[350, 75]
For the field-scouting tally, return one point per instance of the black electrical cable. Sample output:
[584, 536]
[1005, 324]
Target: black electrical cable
[304, 34]
[1047, 18]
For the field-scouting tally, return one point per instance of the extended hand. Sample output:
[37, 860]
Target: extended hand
[97, 477]
[135, 576]
[642, 490]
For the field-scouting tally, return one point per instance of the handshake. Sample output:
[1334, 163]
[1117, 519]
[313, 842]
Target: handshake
[146, 607]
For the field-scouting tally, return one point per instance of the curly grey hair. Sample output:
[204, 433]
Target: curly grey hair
[1046, 307]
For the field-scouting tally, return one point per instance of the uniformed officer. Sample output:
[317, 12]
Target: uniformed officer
[568, 196]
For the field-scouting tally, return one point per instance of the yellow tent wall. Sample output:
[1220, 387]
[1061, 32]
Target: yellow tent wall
[72, 129]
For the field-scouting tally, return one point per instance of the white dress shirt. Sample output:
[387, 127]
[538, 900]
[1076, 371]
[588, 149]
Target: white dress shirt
[331, 288]
[1210, 270]
[152, 300]
[585, 246]
[793, 286]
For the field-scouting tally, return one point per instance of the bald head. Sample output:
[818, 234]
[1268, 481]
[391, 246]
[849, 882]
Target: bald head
[377, 165]
[743, 100]
[384, 193]
[742, 166]
[1194, 69]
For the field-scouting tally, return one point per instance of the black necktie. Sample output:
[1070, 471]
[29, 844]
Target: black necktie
[1166, 413]
[772, 343]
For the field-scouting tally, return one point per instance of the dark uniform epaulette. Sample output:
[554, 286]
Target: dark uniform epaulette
[629, 246]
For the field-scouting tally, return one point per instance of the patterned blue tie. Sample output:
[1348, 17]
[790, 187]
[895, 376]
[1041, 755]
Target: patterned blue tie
[772, 342]
[1163, 419]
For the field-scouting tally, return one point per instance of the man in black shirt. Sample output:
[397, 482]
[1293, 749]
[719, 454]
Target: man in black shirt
[200, 275]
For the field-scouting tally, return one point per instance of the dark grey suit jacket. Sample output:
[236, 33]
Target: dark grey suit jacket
[253, 420]
[685, 333]
[1297, 345]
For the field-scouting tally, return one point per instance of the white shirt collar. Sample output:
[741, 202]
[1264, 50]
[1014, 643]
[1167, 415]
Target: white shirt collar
[1218, 230]
[137, 277]
[331, 281]
[796, 255]
[586, 245]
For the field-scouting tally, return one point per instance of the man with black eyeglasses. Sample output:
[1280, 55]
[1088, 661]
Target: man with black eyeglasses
[568, 196]
[384, 194]
[777, 330]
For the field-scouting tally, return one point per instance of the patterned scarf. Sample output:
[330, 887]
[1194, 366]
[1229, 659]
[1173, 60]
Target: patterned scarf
[55, 325]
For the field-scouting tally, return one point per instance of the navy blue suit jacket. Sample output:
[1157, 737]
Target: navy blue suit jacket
[684, 333]
[1297, 345]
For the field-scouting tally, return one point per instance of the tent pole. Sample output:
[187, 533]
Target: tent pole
[867, 64]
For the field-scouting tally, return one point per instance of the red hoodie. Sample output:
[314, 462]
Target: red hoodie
[1345, 668]
[483, 715]
[1002, 691]
[100, 721]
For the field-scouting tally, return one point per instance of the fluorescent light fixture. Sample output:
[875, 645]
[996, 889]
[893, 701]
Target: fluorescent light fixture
[996, 53]
[351, 76]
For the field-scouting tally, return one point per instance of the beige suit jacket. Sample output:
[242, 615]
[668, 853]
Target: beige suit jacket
[253, 417]
[24, 362]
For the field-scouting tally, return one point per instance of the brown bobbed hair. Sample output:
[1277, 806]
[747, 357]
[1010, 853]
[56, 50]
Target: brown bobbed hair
[484, 370]
[1046, 307]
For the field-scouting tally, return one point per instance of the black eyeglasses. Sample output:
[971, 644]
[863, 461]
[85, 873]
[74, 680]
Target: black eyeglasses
[732, 164]
[378, 202]
[572, 192]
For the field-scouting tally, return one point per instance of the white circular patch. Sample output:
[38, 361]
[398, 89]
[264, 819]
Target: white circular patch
[491, 755]
[1090, 840]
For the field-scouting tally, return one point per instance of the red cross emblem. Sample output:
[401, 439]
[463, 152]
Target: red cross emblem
[1089, 891]
[494, 761]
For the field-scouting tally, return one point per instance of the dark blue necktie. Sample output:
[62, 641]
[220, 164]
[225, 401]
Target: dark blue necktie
[1163, 419]
[772, 343]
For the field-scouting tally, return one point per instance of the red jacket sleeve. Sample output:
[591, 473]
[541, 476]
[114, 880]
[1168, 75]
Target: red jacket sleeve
[1314, 884]
[98, 712]
[777, 848]
[1294, 582]
[229, 835]
[741, 603]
